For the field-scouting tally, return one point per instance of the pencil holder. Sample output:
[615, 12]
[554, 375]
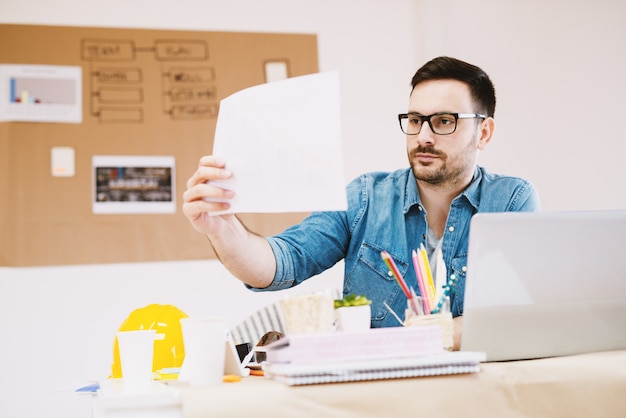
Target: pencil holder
[443, 320]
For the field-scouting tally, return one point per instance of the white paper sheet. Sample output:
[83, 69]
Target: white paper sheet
[282, 142]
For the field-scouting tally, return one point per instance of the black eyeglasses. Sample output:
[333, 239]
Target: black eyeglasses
[442, 123]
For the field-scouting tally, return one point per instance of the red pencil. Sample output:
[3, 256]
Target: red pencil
[396, 273]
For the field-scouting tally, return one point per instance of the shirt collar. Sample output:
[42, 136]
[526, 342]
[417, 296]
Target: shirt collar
[472, 192]
[411, 195]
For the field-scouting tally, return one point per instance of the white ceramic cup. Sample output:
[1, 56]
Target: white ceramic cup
[205, 350]
[353, 318]
[136, 355]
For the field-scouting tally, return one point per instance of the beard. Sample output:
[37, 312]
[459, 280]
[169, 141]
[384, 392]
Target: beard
[444, 171]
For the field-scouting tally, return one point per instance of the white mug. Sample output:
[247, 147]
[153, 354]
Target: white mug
[205, 350]
[136, 355]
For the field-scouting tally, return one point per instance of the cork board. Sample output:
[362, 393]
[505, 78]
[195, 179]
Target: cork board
[147, 93]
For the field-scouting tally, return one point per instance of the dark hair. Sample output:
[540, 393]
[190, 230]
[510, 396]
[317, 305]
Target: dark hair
[446, 68]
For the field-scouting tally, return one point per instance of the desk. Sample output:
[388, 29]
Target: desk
[588, 385]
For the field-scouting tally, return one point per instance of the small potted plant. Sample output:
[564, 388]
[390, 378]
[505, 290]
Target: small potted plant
[353, 313]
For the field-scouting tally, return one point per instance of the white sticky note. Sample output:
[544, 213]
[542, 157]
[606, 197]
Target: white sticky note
[275, 71]
[62, 161]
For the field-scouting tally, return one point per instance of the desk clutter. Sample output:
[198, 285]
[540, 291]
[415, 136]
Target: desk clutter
[316, 349]
[199, 355]
[325, 341]
[320, 337]
[373, 354]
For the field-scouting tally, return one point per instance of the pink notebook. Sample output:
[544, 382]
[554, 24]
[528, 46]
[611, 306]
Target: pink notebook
[375, 343]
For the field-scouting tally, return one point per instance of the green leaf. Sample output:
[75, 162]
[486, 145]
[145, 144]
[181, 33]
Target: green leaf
[352, 300]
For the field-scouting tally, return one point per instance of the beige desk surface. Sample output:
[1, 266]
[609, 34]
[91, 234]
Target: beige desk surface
[589, 385]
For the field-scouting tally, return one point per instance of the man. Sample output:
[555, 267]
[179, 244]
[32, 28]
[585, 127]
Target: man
[449, 120]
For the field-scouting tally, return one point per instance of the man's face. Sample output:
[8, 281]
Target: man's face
[444, 159]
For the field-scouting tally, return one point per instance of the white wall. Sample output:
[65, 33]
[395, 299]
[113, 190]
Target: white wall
[556, 66]
[558, 70]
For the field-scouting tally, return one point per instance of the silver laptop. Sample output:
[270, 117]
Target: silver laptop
[545, 284]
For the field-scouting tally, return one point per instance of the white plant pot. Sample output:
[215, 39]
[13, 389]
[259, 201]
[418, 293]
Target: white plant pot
[353, 318]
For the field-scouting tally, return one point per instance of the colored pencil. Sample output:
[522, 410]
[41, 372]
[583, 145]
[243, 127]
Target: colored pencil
[420, 280]
[396, 273]
[430, 285]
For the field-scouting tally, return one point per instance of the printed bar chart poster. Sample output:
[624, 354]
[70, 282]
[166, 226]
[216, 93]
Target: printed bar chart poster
[133, 184]
[40, 93]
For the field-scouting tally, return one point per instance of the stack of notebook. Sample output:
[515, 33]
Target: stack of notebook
[378, 353]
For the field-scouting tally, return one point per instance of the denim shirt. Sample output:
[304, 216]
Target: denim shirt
[385, 213]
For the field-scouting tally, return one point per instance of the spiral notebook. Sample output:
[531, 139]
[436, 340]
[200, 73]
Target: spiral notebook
[445, 363]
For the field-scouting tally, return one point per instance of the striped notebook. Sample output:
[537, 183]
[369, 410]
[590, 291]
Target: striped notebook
[445, 363]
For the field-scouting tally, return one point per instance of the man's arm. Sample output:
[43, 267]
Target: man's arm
[245, 254]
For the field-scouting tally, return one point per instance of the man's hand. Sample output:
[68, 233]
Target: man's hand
[197, 199]
[245, 254]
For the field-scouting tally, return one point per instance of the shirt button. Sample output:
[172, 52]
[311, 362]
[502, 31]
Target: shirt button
[464, 268]
[419, 207]
[389, 274]
[451, 228]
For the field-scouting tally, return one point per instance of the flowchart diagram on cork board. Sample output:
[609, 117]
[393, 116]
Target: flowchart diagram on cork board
[100, 129]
